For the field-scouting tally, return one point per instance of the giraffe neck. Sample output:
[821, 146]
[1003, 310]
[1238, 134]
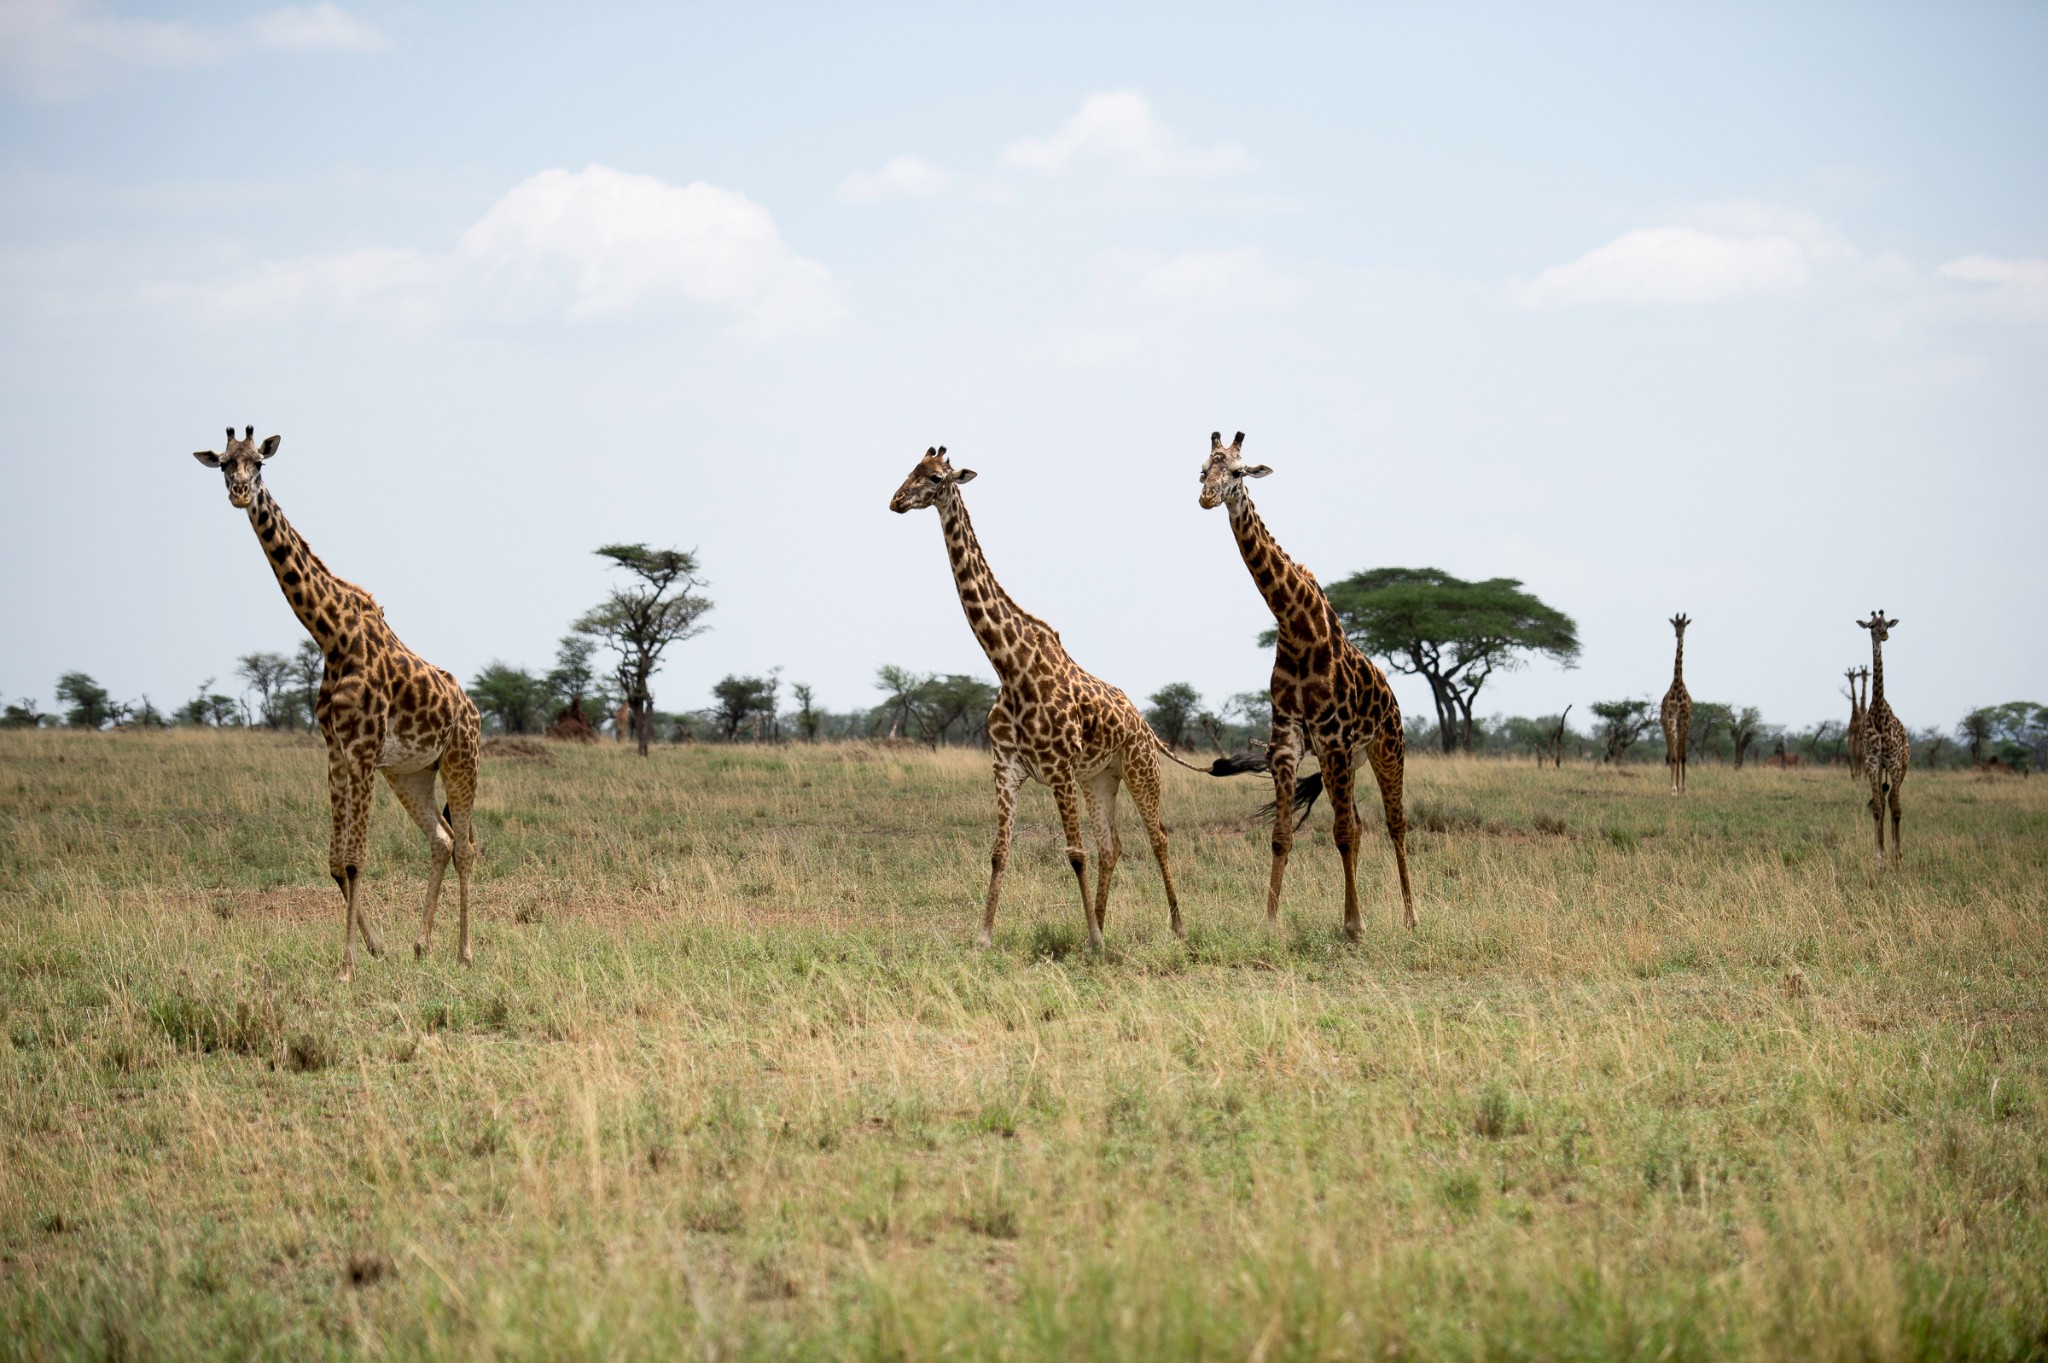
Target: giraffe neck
[1678, 664]
[1000, 625]
[1876, 671]
[324, 603]
[1277, 576]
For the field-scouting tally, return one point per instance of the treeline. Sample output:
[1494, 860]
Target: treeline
[951, 709]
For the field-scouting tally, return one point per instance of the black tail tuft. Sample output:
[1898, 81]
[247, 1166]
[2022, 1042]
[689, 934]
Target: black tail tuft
[1307, 790]
[1240, 764]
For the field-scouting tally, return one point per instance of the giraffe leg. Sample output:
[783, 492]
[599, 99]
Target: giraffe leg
[458, 778]
[415, 791]
[1389, 757]
[1066, 792]
[1141, 774]
[1281, 760]
[351, 795]
[1877, 815]
[1338, 771]
[1898, 853]
[1009, 779]
[1100, 794]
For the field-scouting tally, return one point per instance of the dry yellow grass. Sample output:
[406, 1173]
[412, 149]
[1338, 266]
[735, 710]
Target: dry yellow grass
[1654, 1077]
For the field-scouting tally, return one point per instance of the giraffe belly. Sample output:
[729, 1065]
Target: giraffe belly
[404, 754]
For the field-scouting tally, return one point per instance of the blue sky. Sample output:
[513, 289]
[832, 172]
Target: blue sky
[1743, 314]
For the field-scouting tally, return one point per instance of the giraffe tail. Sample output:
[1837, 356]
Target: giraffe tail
[1175, 758]
[1307, 790]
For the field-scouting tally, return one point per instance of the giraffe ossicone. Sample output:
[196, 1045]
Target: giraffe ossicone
[1327, 695]
[381, 707]
[1051, 722]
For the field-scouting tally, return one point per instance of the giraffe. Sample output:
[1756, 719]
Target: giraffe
[1885, 749]
[380, 708]
[1858, 719]
[1326, 694]
[1051, 721]
[1676, 712]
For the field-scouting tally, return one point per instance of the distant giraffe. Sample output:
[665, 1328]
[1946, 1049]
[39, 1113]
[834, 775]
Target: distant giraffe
[1859, 719]
[381, 708]
[1886, 752]
[1325, 692]
[1676, 712]
[1051, 721]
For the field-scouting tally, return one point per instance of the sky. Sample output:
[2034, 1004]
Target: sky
[1740, 311]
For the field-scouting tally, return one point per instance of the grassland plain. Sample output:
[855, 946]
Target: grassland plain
[1655, 1077]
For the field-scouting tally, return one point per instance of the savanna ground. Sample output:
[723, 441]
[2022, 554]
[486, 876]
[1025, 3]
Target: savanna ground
[1655, 1077]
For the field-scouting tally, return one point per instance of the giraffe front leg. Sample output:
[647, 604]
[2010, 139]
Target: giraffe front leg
[1281, 759]
[458, 778]
[1009, 776]
[1898, 853]
[1066, 793]
[1877, 794]
[350, 790]
[1101, 797]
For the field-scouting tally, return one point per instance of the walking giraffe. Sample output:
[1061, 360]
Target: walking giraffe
[1676, 712]
[1326, 694]
[1051, 721]
[381, 708]
[1886, 752]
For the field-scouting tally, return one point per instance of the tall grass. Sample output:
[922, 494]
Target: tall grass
[1655, 1077]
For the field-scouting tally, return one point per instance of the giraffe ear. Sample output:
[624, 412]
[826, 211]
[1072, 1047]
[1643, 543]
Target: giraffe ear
[270, 444]
[1891, 624]
[207, 457]
[1256, 471]
[963, 476]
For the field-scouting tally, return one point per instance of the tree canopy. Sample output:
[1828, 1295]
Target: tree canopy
[1171, 711]
[1452, 633]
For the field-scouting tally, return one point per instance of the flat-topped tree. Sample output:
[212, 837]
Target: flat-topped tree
[1451, 633]
[641, 621]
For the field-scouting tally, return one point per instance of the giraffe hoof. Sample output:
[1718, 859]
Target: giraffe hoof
[419, 950]
[345, 974]
[463, 956]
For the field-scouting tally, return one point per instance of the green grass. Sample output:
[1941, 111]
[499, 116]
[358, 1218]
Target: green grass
[1655, 1077]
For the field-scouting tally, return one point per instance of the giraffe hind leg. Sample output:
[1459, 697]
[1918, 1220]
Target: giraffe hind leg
[1141, 774]
[1066, 793]
[458, 779]
[1389, 758]
[415, 792]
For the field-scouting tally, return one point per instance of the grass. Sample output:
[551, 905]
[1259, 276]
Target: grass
[1655, 1077]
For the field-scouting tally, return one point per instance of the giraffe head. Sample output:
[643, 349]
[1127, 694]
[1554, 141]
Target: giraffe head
[241, 463]
[1879, 627]
[930, 480]
[1223, 473]
[1679, 622]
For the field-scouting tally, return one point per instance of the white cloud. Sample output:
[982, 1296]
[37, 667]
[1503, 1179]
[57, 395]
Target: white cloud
[1118, 126]
[901, 177]
[2011, 288]
[590, 246]
[62, 49]
[317, 28]
[1725, 252]
[1236, 279]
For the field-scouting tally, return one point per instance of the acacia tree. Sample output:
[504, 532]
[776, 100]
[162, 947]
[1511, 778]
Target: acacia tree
[1745, 726]
[87, 705]
[807, 718]
[1452, 633]
[269, 675]
[639, 622]
[741, 699]
[901, 686]
[511, 696]
[1622, 722]
[1172, 710]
